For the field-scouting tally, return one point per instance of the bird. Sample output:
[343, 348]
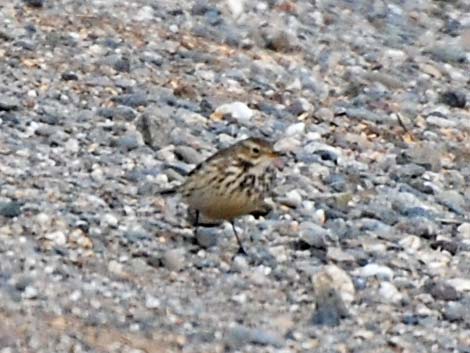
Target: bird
[231, 183]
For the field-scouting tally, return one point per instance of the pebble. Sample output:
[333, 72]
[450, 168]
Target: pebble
[128, 142]
[375, 270]
[453, 200]
[188, 154]
[295, 129]
[132, 99]
[174, 259]
[241, 335]
[151, 302]
[9, 103]
[456, 312]
[314, 235]
[300, 106]
[237, 110]
[10, 209]
[464, 230]
[292, 199]
[444, 291]
[460, 284]
[30, 292]
[116, 268]
[388, 293]
[207, 237]
[454, 99]
[72, 145]
[57, 237]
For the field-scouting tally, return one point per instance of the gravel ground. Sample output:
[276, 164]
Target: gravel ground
[104, 102]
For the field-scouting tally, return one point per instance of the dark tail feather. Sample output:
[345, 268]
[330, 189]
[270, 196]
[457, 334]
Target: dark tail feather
[168, 192]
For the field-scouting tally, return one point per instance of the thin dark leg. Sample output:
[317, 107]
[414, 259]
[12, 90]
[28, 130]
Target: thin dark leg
[241, 250]
[196, 223]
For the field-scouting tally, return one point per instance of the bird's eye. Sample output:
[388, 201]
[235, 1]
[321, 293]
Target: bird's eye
[255, 150]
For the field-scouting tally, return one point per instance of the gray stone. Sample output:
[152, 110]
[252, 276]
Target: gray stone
[10, 209]
[174, 259]
[240, 335]
[188, 154]
[207, 237]
[132, 99]
[9, 103]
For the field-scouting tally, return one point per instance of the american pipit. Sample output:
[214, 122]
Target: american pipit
[232, 182]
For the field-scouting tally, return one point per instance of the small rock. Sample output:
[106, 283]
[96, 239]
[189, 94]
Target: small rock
[454, 99]
[464, 231]
[72, 145]
[188, 154]
[132, 100]
[116, 268]
[69, 76]
[295, 129]
[34, 3]
[300, 106]
[151, 302]
[128, 142]
[339, 255]
[375, 270]
[410, 243]
[313, 235]
[206, 237]
[443, 291]
[450, 54]
[58, 237]
[120, 112]
[237, 110]
[174, 260]
[240, 263]
[292, 199]
[453, 200]
[389, 293]
[109, 220]
[8, 103]
[10, 209]
[279, 41]
[451, 246]
[240, 335]
[456, 312]
[30, 292]
[460, 284]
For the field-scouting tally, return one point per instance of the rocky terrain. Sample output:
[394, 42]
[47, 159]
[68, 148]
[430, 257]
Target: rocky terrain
[105, 102]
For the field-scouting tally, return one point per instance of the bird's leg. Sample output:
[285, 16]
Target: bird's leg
[196, 223]
[241, 250]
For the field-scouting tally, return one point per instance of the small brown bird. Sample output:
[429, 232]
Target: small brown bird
[232, 182]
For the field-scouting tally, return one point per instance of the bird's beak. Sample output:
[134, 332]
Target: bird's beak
[278, 159]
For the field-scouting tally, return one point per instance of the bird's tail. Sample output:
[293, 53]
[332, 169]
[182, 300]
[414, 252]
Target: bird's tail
[168, 192]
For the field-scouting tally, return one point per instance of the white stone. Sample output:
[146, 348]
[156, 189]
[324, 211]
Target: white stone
[72, 145]
[30, 292]
[109, 220]
[238, 110]
[376, 270]
[295, 129]
[58, 237]
[151, 302]
[460, 284]
[116, 268]
[464, 230]
[410, 243]
[389, 293]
